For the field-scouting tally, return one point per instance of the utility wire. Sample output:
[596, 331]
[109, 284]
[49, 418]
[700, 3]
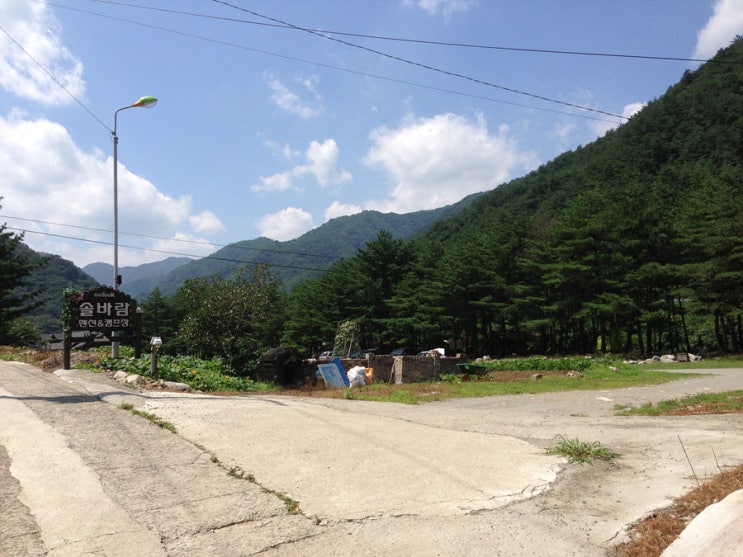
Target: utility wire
[51, 75]
[151, 237]
[211, 257]
[421, 65]
[311, 62]
[414, 41]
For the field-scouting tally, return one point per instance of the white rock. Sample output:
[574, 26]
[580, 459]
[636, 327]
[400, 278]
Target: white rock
[134, 380]
[175, 386]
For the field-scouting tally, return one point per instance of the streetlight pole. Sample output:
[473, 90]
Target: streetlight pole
[144, 102]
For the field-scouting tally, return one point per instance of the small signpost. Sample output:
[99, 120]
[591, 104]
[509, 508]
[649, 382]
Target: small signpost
[103, 310]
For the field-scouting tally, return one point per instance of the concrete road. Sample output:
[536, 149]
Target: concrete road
[461, 477]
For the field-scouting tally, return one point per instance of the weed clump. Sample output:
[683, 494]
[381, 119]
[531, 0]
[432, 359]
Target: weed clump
[579, 451]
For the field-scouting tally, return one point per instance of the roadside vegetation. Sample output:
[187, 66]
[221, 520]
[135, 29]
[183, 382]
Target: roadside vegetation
[651, 536]
[511, 377]
[705, 403]
[579, 451]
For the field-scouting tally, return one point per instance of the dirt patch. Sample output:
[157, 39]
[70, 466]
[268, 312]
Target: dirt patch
[709, 408]
[46, 360]
[652, 535]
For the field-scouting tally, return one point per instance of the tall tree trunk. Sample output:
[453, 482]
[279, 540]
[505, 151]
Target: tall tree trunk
[640, 344]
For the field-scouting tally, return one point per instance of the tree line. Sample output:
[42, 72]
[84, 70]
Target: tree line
[632, 244]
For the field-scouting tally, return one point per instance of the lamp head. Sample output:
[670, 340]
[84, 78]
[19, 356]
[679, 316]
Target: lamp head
[146, 102]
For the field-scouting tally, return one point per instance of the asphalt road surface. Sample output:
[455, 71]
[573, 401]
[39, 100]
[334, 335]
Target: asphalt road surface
[81, 476]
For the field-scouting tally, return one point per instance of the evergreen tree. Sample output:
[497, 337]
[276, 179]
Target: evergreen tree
[15, 269]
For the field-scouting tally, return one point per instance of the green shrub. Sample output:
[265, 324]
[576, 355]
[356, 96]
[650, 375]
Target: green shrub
[539, 363]
[201, 375]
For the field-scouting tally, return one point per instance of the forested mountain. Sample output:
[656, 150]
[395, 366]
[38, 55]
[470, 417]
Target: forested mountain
[633, 243]
[136, 281]
[50, 279]
[305, 256]
[313, 252]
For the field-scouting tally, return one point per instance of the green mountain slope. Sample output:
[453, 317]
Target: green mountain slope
[692, 131]
[139, 280]
[50, 280]
[633, 241]
[313, 252]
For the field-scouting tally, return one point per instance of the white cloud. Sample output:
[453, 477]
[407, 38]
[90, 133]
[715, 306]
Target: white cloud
[448, 7]
[282, 152]
[38, 33]
[438, 161]
[46, 177]
[290, 101]
[320, 162]
[725, 23]
[275, 182]
[600, 127]
[285, 225]
[206, 222]
[338, 209]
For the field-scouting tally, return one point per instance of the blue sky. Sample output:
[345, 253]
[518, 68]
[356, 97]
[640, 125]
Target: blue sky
[276, 116]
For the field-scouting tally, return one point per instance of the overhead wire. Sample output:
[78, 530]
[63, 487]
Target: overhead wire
[315, 63]
[425, 66]
[411, 40]
[274, 22]
[53, 77]
[165, 252]
[152, 237]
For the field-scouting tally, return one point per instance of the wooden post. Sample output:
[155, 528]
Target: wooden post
[66, 347]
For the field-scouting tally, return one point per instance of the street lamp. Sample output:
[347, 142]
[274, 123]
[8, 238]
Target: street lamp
[144, 102]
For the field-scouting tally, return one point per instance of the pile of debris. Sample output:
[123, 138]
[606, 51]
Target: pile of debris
[667, 359]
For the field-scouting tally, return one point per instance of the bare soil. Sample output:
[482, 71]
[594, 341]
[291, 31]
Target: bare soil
[648, 537]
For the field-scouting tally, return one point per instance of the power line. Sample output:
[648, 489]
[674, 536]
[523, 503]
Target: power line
[310, 62]
[51, 75]
[210, 257]
[148, 236]
[412, 40]
[424, 66]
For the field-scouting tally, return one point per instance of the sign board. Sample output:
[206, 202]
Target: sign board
[103, 309]
[107, 313]
[333, 374]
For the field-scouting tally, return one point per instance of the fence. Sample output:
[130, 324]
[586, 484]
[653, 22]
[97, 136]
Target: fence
[407, 369]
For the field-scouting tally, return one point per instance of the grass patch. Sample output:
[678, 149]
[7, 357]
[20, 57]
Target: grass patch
[579, 451]
[159, 422]
[291, 505]
[593, 375]
[728, 402]
[539, 363]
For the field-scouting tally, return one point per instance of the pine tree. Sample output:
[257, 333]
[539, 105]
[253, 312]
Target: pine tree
[15, 268]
